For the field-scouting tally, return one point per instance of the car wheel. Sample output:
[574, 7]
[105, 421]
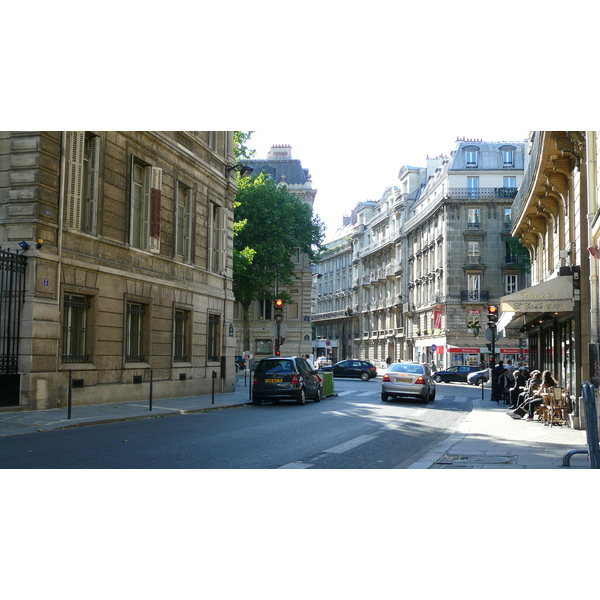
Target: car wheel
[257, 401]
[478, 381]
[384, 397]
[302, 397]
[432, 394]
[438, 379]
[320, 394]
[365, 377]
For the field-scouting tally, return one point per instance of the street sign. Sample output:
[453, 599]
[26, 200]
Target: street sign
[433, 347]
[282, 329]
[488, 335]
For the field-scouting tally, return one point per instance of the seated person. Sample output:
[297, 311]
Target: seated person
[536, 399]
[517, 388]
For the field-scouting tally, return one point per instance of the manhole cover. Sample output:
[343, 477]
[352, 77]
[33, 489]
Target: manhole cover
[475, 459]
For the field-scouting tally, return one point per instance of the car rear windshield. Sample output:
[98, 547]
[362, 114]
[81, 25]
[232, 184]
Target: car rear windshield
[400, 368]
[275, 366]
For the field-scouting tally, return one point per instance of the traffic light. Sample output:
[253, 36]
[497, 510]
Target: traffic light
[492, 316]
[278, 304]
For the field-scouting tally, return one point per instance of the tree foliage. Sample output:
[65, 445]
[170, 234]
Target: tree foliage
[270, 224]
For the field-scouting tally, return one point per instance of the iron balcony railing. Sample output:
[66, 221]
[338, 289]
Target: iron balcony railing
[474, 296]
[487, 193]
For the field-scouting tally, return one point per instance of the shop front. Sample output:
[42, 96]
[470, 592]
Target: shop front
[546, 314]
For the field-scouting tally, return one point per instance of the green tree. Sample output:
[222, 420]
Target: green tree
[270, 223]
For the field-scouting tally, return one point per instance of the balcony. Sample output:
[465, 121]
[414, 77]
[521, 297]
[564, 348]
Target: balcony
[474, 296]
[481, 193]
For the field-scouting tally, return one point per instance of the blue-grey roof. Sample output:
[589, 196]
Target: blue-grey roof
[290, 169]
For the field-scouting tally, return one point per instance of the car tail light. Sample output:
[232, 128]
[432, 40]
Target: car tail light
[295, 379]
[386, 377]
[420, 379]
[255, 380]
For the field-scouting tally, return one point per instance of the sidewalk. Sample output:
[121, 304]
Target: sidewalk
[486, 439]
[489, 439]
[31, 421]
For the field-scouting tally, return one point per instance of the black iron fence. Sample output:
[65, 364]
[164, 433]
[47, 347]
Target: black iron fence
[12, 296]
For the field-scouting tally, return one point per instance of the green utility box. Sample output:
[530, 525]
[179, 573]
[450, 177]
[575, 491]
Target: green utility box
[328, 386]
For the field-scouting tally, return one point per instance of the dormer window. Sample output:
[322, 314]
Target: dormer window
[471, 153]
[508, 156]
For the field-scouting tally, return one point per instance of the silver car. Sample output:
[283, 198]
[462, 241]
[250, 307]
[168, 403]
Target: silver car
[408, 379]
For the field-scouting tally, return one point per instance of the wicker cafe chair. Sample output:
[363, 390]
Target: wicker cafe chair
[557, 407]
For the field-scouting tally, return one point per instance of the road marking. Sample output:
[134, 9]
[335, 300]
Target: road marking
[344, 393]
[367, 394]
[362, 439]
[296, 465]
[419, 412]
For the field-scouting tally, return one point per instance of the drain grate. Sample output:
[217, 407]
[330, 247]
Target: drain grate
[471, 460]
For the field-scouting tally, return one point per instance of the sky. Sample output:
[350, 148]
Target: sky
[349, 166]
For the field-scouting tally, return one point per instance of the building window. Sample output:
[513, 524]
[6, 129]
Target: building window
[212, 351]
[183, 223]
[75, 308]
[510, 182]
[473, 252]
[511, 284]
[508, 159]
[263, 347]
[474, 218]
[81, 188]
[134, 335]
[215, 238]
[471, 158]
[146, 192]
[507, 221]
[473, 286]
[265, 309]
[180, 336]
[473, 187]
[474, 320]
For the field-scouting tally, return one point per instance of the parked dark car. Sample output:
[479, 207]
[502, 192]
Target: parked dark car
[477, 377]
[279, 378]
[408, 379]
[353, 368]
[454, 374]
[240, 363]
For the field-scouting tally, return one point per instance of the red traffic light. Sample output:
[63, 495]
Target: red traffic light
[493, 310]
[279, 303]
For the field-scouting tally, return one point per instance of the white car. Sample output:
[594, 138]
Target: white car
[322, 362]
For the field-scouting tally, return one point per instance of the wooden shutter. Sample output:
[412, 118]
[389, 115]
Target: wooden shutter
[92, 200]
[155, 204]
[74, 182]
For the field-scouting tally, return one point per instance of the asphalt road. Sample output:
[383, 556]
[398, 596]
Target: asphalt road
[354, 430]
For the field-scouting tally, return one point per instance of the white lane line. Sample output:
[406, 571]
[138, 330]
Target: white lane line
[296, 465]
[367, 394]
[344, 393]
[419, 412]
[363, 439]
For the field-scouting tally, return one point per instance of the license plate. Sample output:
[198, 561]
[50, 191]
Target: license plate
[273, 380]
[403, 379]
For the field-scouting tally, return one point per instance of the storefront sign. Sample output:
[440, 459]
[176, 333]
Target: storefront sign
[555, 295]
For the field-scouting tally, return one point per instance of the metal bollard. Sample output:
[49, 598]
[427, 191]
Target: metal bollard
[591, 430]
[69, 397]
[214, 376]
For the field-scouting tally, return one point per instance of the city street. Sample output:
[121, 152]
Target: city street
[354, 430]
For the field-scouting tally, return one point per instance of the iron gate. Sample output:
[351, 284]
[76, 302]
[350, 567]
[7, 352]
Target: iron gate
[12, 297]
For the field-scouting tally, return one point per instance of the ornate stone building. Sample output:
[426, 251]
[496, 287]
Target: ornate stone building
[128, 245]
[556, 217]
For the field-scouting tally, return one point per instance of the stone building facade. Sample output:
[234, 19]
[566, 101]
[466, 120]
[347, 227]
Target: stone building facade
[428, 257]
[555, 215]
[128, 239]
